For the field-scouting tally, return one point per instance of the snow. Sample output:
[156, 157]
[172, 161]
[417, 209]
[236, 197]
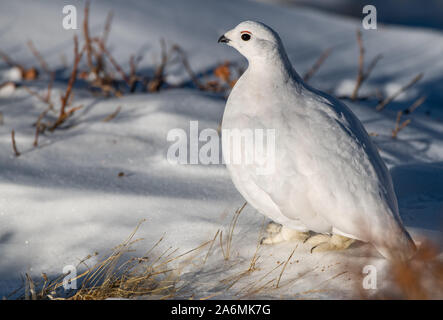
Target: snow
[12, 74]
[404, 12]
[65, 200]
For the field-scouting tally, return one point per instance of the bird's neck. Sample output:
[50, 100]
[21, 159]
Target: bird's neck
[274, 66]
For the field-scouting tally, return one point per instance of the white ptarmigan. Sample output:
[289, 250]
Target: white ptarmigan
[328, 176]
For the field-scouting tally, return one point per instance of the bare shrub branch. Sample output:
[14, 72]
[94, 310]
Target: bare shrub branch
[63, 115]
[88, 44]
[362, 75]
[316, 66]
[113, 61]
[159, 76]
[39, 57]
[14, 145]
[10, 62]
[389, 99]
[399, 126]
[187, 66]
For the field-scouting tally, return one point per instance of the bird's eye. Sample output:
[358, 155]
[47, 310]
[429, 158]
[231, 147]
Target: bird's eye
[245, 37]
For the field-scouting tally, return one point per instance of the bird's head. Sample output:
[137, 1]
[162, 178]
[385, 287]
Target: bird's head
[253, 40]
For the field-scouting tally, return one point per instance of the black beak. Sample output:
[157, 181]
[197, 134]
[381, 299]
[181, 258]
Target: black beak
[223, 39]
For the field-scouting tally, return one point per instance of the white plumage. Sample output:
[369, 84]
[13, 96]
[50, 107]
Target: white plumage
[328, 177]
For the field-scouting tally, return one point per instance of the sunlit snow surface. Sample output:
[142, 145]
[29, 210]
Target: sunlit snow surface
[65, 200]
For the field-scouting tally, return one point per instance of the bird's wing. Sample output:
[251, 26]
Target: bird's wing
[329, 158]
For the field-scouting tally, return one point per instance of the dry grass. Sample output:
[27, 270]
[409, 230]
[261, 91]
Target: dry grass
[210, 247]
[116, 276]
[284, 267]
[226, 246]
[256, 256]
[157, 274]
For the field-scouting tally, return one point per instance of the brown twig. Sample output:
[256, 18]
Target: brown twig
[47, 97]
[389, 99]
[107, 28]
[132, 66]
[39, 57]
[39, 127]
[133, 78]
[417, 103]
[372, 66]
[106, 88]
[63, 115]
[159, 76]
[27, 74]
[14, 145]
[308, 75]
[77, 58]
[362, 75]
[361, 58]
[113, 61]
[158, 80]
[399, 126]
[187, 66]
[87, 38]
[11, 62]
[112, 115]
[99, 56]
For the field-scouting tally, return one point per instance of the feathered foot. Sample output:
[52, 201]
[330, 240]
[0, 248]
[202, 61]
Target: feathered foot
[323, 242]
[278, 233]
[273, 227]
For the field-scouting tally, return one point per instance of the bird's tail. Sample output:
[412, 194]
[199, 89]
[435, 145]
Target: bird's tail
[396, 243]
